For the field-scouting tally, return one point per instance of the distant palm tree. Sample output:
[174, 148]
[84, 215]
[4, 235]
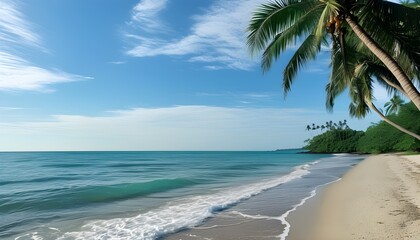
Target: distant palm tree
[308, 128]
[394, 105]
[327, 125]
[340, 125]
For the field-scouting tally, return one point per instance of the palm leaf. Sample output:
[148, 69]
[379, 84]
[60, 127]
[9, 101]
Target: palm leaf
[331, 8]
[307, 51]
[271, 18]
[302, 27]
[360, 91]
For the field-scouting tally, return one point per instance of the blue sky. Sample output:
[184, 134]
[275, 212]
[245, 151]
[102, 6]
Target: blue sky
[149, 75]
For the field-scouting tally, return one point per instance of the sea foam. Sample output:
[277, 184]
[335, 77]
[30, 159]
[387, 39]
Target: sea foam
[176, 216]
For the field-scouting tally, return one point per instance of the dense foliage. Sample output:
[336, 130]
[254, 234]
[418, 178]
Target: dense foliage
[335, 141]
[378, 138]
[382, 137]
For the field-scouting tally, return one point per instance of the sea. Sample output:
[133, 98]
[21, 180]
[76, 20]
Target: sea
[155, 195]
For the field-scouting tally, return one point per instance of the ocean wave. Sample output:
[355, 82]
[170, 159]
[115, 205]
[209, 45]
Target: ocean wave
[176, 216]
[37, 180]
[63, 198]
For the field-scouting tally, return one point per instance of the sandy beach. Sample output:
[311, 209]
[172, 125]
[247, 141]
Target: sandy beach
[377, 199]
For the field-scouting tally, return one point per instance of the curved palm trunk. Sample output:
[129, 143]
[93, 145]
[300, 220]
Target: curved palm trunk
[373, 107]
[388, 61]
[394, 86]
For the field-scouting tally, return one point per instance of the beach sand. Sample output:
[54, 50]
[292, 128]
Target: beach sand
[377, 199]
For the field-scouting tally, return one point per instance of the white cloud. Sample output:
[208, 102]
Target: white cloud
[17, 73]
[170, 128]
[117, 62]
[145, 13]
[218, 36]
[9, 108]
[13, 26]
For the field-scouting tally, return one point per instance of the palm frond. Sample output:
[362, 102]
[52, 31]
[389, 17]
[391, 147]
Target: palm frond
[360, 92]
[395, 27]
[328, 11]
[272, 18]
[343, 60]
[302, 27]
[307, 51]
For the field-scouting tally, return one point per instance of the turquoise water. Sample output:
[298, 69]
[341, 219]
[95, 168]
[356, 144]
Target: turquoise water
[133, 195]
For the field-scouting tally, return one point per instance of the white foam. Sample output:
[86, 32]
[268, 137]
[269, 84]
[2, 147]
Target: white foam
[173, 217]
[341, 154]
[283, 217]
[254, 216]
[32, 236]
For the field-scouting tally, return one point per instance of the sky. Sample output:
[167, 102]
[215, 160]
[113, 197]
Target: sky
[150, 75]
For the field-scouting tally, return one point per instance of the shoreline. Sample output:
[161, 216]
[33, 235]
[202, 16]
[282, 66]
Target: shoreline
[266, 215]
[377, 199]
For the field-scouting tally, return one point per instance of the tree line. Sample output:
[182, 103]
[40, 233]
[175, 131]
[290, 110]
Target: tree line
[378, 138]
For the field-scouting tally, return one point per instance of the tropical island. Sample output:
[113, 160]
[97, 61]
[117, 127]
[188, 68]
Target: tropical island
[379, 138]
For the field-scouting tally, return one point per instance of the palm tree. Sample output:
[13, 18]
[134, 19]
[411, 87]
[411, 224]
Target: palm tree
[340, 125]
[360, 89]
[394, 104]
[395, 14]
[359, 81]
[361, 94]
[278, 24]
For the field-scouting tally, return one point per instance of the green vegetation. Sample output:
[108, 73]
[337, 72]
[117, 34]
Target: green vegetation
[382, 137]
[370, 41]
[337, 139]
[378, 138]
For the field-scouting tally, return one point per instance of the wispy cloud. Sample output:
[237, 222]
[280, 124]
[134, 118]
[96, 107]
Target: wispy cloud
[239, 94]
[254, 98]
[13, 26]
[16, 72]
[145, 14]
[117, 62]
[169, 128]
[9, 108]
[217, 38]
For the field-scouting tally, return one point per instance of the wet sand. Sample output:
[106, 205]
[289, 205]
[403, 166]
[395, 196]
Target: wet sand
[378, 199]
[266, 216]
